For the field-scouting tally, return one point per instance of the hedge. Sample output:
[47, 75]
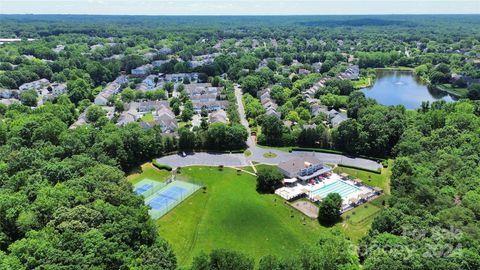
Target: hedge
[378, 171]
[321, 150]
[161, 166]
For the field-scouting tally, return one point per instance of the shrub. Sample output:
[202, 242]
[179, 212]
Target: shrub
[161, 166]
[378, 171]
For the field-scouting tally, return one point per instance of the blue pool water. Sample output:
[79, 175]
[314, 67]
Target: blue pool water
[340, 187]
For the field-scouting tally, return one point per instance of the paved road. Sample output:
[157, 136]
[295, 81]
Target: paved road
[239, 160]
[236, 160]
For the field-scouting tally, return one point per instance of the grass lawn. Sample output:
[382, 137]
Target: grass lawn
[147, 170]
[284, 148]
[372, 179]
[247, 153]
[182, 124]
[148, 117]
[248, 169]
[362, 83]
[456, 91]
[231, 214]
[397, 68]
[269, 155]
[356, 222]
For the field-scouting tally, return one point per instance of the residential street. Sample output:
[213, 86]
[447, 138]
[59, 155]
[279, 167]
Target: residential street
[215, 159]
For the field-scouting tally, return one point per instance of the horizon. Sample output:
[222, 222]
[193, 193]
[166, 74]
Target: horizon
[239, 7]
[239, 15]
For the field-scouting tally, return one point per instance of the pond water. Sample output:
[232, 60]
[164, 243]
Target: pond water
[403, 87]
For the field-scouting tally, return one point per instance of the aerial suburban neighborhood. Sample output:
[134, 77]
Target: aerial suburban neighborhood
[238, 142]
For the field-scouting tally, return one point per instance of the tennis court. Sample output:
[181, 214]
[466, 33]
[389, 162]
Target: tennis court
[148, 187]
[166, 197]
[163, 197]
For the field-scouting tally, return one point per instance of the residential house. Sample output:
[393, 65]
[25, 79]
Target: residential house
[352, 73]
[58, 89]
[35, 85]
[149, 82]
[158, 63]
[317, 109]
[9, 101]
[8, 93]
[59, 48]
[273, 111]
[179, 77]
[128, 117]
[219, 116]
[303, 71]
[310, 92]
[164, 118]
[312, 126]
[147, 106]
[142, 71]
[335, 118]
[210, 105]
[268, 103]
[165, 50]
[113, 88]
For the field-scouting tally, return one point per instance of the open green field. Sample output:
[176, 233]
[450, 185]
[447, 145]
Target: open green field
[231, 214]
[356, 222]
[372, 179]
[456, 91]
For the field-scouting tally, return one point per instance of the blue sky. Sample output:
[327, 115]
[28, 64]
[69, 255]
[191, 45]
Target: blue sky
[239, 7]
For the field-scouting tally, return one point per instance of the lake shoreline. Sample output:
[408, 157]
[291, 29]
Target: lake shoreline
[402, 86]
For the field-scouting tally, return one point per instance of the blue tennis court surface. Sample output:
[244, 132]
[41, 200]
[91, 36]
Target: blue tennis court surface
[340, 187]
[143, 188]
[163, 198]
[166, 197]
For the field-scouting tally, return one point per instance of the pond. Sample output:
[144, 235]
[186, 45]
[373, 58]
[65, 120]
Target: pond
[395, 87]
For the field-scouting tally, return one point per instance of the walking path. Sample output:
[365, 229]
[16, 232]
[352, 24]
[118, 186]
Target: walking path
[240, 160]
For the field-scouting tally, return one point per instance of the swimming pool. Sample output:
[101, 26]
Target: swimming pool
[340, 187]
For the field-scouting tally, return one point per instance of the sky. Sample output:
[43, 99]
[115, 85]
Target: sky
[239, 7]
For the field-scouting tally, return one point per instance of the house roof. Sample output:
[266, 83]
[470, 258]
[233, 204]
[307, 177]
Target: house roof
[294, 165]
[218, 116]
[339, 118]
[165, 111]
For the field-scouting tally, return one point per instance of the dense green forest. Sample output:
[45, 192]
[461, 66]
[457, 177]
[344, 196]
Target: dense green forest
[65, 202]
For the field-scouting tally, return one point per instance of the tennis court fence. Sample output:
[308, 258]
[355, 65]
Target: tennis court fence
[148, 187]
[169, 197]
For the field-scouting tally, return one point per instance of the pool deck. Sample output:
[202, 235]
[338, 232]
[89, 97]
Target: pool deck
[354, 196]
